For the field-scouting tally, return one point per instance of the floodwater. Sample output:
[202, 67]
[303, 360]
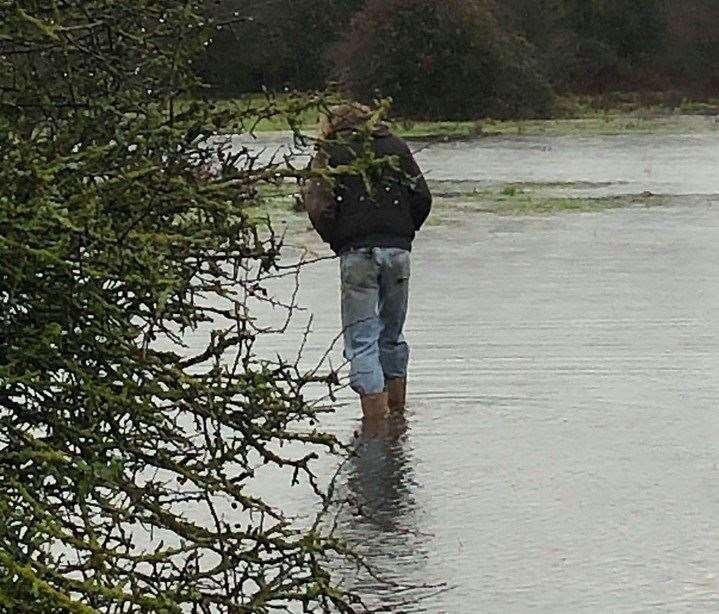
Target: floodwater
[623, 164]
[560, 449]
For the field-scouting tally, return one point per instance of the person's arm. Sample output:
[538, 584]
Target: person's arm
[420, 198]
[319, 199]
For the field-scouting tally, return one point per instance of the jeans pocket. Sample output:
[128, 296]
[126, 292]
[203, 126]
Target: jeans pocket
[357, 268]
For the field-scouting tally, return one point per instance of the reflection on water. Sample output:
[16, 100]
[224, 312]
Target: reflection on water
[379, 514]
[380, 474]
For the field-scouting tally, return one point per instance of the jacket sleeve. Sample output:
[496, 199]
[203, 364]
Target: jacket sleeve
[420, 198]
[320, 201]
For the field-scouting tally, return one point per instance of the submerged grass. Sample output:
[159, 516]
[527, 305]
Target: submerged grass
[454, 199]
[531, 199]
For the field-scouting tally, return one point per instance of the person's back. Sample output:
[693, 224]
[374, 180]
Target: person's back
[369, 215]
[384, 208]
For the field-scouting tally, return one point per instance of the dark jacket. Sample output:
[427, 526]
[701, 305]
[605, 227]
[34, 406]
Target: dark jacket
[348, 215]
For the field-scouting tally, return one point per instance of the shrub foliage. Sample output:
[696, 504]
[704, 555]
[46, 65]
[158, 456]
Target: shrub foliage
[127, 459]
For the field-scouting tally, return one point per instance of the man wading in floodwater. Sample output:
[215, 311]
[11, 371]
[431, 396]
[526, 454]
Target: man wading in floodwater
[369, 215]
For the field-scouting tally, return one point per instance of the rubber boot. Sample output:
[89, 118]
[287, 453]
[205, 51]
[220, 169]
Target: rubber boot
[374, 410]
[374, 406]
[396, 393]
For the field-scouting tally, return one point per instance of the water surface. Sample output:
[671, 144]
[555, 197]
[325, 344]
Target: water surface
[559, 452]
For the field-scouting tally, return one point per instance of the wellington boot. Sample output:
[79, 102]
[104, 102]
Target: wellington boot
[374, 409]
[396, 393]
[374, 406]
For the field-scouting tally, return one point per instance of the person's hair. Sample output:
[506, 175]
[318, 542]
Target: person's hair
[343, 117]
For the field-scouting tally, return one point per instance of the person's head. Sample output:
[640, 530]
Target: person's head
[343, 117]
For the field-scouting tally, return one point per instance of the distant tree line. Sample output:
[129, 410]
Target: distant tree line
[467, 58]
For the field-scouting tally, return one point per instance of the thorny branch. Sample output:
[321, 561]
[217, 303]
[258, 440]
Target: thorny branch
[128, 454]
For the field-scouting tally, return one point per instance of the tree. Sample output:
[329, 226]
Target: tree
[448, 60]
[629, 27]
[283, 43]
[691, 57]
[124, 225]
[601, 45]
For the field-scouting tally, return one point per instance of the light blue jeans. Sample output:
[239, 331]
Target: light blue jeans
[375, 289]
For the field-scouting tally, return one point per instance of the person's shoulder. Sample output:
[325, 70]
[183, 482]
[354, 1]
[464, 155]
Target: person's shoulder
[391, 143]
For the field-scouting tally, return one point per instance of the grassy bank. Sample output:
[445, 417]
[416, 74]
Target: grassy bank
[616, 113]
[600, 124]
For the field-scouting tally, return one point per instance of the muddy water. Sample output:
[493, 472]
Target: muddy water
[560, 449]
